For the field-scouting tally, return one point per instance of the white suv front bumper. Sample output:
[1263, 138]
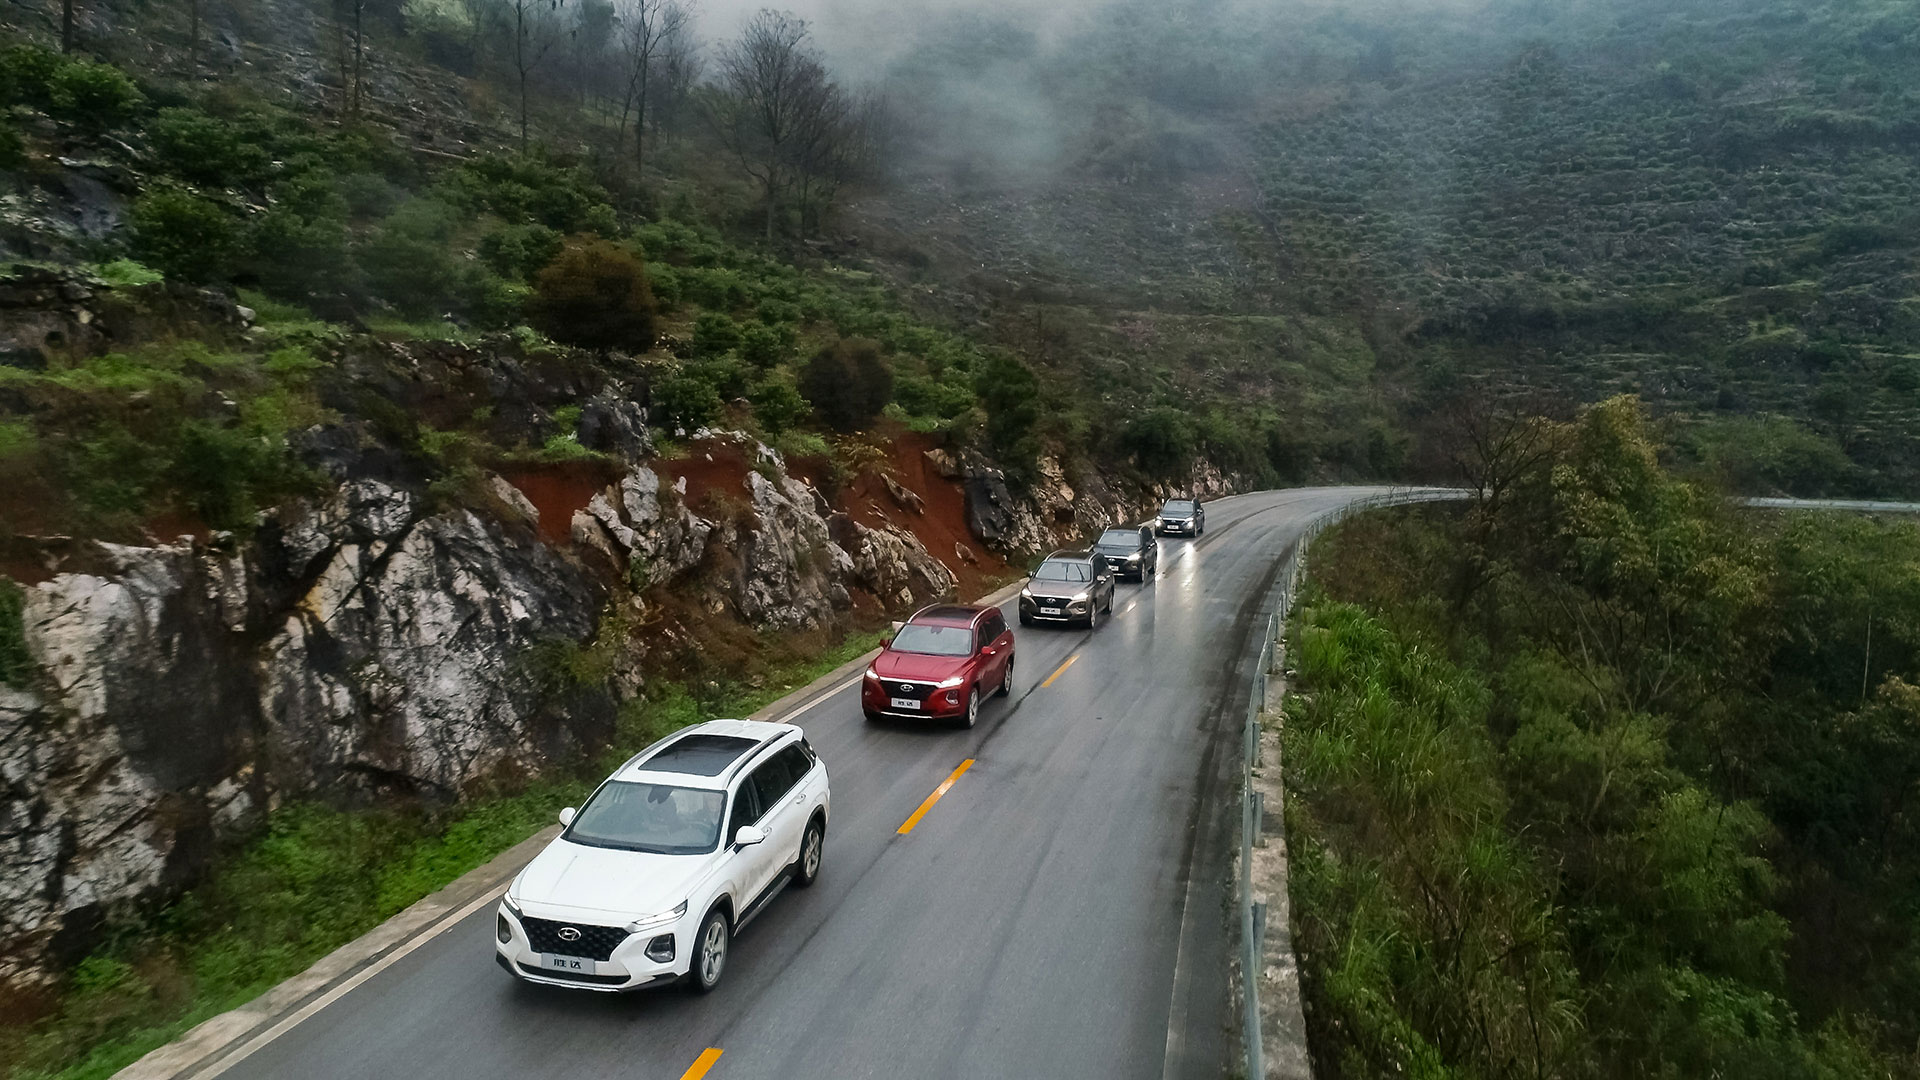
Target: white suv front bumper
[627, 967]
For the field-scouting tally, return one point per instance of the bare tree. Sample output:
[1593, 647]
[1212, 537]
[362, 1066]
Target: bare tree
[350, 35]
[675, 72]
[193, 38]
[66, 26]
[650, 31]
[484, 17]
[839, 143]
[770, 85]
[536, 30]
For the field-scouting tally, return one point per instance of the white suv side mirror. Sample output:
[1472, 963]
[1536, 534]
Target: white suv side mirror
[748, 836]
[566, 816]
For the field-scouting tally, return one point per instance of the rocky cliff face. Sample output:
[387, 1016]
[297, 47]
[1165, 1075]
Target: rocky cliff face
[357, 643]
[1060, 508]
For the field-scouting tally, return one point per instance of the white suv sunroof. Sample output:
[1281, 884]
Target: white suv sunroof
[699, 755]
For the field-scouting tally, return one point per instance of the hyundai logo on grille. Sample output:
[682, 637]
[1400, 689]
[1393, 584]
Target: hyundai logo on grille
[569, 933]
[906, 688]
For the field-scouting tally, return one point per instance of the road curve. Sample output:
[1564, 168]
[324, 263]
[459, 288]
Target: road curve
[1061, 912]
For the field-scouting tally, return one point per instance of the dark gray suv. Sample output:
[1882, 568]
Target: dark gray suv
[1132, 550]
[1182, 517]
[1068, 587]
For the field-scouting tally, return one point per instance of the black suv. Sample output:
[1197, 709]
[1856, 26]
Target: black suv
[1183, 516]
[1132, 551]
[1068, 587]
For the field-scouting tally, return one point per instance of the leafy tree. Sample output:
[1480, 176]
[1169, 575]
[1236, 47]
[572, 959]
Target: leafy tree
[595, 295]
[409, 260]
[686, 401]
[762, 346]
[97, 97]
[520, 251]
[1161, 441]
[184, 236]
[206, 149]
[777, 404]
[1010, 394]
[715, 334]
[847, 383]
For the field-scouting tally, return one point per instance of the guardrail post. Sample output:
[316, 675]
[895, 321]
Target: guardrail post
[1259, 819]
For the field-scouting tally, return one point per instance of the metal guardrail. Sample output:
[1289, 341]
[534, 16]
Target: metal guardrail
[1253, 915]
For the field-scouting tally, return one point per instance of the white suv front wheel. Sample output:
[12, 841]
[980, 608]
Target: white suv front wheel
[710, 952]
[812, 849]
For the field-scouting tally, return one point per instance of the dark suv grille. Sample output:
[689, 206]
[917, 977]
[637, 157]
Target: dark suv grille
[594, 943]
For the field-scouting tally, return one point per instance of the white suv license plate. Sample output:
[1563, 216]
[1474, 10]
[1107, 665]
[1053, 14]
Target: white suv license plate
[905, 703]
[578, 964]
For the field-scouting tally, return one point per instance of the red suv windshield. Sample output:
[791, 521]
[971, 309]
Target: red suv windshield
[934, 640]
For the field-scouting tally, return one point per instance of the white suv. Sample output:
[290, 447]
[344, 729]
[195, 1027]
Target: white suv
[669, 858]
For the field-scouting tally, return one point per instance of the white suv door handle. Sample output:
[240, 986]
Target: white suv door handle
[800, 798]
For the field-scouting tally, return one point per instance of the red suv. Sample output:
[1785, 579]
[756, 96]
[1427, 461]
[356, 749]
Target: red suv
[939, 664]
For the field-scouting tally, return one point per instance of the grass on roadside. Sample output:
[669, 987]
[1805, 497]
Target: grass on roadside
[317, 879]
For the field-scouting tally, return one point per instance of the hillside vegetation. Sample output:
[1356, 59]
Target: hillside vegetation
[1708, 203]
[1602, 778]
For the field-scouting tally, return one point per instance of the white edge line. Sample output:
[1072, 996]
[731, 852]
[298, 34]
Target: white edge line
[287, 1024]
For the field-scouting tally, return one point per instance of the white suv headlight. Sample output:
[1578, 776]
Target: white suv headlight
[654, 922]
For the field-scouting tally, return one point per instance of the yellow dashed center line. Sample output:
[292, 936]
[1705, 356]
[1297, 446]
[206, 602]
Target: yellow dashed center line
[1057, 671]
[922, 811]
[701, 1064]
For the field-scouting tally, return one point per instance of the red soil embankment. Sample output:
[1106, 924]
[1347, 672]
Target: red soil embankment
[942, 527]
[559, 490]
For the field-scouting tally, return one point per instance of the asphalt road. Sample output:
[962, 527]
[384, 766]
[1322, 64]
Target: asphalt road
[1061, 912]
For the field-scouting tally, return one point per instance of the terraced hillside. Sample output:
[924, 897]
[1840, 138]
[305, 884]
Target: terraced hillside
[1710, 203]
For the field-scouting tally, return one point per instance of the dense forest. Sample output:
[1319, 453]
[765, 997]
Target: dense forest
[1600, 776]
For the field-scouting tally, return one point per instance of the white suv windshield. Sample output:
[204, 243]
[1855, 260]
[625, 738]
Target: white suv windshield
[934, 640]
[657, 818]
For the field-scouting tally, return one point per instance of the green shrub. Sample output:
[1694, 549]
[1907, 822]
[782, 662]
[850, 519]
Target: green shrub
[714, 287]
[184, 236]
[16, 664]
[921, 396]
[13, 149]
[127, 273]
[520, 251]
[495, 302]
[685, 401]
[777, 312]
[727, 375]
[1010, 394]
[715, 334]
[847, 383]
[764, 346]
[369, 195]
[667, 286]
[409, 260]
[294, 256]
[530, 188]
[223, 471]
[27, 73]
[594, 295]
[1160, 441]
[777, 404]
[97, 97]
[206, 149]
